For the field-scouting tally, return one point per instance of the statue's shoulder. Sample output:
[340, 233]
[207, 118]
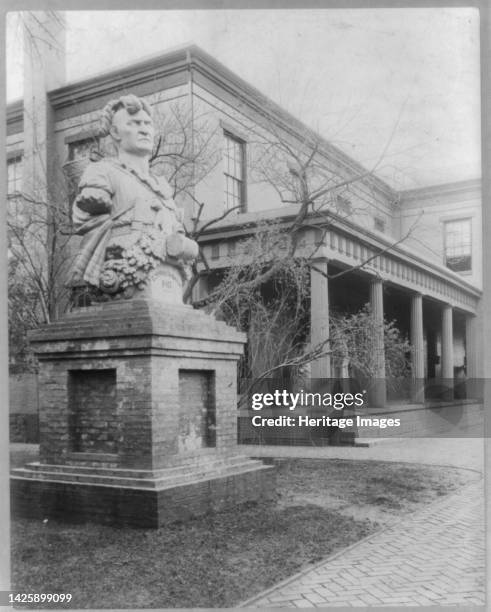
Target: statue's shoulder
[97, 174]
[101, 165]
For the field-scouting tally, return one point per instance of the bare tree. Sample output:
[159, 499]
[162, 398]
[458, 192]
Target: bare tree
[272, 259]
[353, 342]
[41, 246]
[186, 150]
[38, 247]
[265, 291]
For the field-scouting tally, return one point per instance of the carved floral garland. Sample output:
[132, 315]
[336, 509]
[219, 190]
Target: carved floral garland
[131, 270]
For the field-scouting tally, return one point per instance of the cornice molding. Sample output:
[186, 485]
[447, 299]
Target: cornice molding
[121, 78]
[191, 57]
[442, 190]
[235, 85]
[245, 223]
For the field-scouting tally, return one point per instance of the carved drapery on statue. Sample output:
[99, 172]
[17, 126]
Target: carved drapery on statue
[131, 231]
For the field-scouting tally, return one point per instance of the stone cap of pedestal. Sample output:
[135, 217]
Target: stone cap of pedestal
[137, 325]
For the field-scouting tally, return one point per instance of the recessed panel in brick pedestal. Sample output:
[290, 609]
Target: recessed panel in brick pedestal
[197, 418]
[138, 417]
[93, 418]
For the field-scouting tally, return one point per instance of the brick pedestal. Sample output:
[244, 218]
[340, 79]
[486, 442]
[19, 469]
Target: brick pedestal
[138, 418]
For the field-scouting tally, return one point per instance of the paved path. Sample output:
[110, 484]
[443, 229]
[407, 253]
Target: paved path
[458, 452]
[433, 557]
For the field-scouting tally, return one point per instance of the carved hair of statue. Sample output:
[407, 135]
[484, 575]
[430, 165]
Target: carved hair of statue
[131, 103]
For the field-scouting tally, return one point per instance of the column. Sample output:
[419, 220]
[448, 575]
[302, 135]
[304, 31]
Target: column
[471, 346]
[44, 70]
[417, 345]
[319, 318]
[473, 386]
[378, 393]
[447, 351]
[447, 342]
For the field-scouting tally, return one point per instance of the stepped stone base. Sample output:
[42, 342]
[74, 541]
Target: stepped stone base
[138, 418]
[137, 498]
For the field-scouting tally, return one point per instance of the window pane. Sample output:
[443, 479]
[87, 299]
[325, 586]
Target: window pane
[81, 148]
[458, 247]
[234, 171]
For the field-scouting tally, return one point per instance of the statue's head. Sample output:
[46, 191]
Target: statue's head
[129, 122]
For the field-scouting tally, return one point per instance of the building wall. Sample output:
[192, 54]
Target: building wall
[216, 106]
[221, 100]
[220, 115]
[23, 408]
[427, 210]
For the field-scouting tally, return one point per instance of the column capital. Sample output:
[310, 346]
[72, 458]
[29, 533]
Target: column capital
[320, 261]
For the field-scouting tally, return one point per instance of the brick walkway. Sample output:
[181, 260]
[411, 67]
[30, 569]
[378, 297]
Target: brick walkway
[457, 452]
[433, 557]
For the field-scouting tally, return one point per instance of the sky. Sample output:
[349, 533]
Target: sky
[397, 89]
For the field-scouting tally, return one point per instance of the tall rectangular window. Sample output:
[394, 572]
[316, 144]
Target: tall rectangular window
[14, 175]
[234, 171]
[458, 245]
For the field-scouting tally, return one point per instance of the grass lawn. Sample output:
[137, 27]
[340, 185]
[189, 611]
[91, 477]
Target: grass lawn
[220, 560]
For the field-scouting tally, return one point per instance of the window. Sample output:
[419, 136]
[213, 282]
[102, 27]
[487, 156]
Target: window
[81, 149]
[458, 245]
[343, 205]
[379, 224]
[14, 175]
[215, 250]
[234, 171]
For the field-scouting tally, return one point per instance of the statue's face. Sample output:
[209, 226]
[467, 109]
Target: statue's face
[133, 133]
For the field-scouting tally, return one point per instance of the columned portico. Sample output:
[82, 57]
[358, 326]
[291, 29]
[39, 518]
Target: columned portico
[417, 344]
[319, 317]
[378, 394]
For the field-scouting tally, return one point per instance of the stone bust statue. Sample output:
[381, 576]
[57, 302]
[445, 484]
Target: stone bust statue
[132, 229]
